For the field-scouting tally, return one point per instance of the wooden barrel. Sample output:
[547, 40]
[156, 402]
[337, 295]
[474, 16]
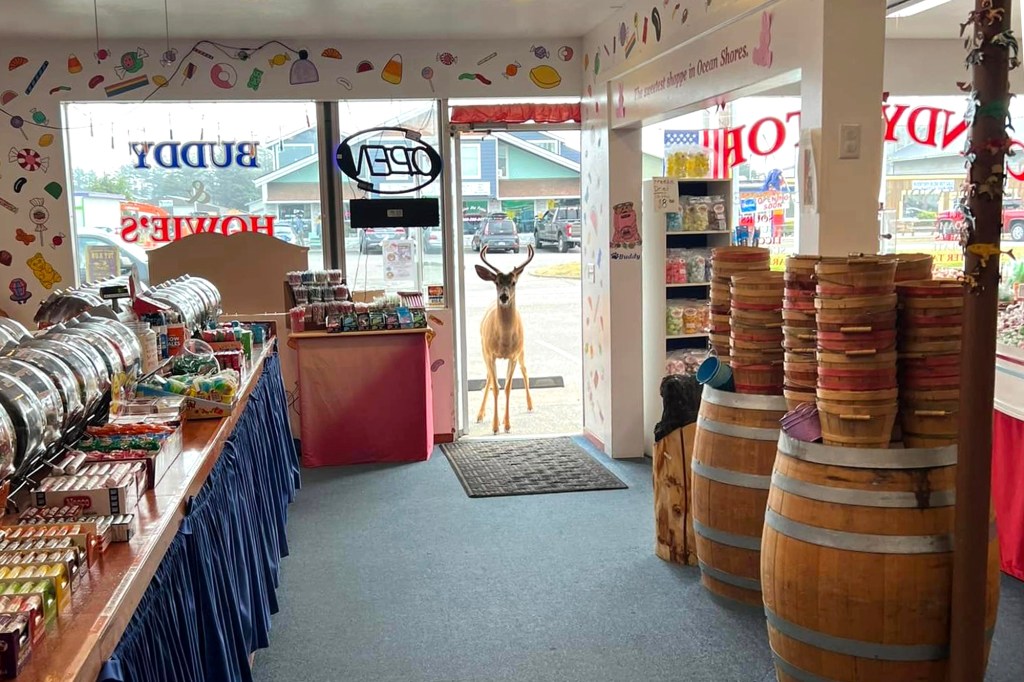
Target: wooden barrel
[869, 271]
[796, 397]
[913, 266]
[732, 462]
[857, 563]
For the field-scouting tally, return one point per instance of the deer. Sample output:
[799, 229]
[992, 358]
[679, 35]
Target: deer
[501, 336]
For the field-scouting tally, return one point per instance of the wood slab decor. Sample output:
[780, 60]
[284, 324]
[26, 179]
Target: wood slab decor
[247, 267]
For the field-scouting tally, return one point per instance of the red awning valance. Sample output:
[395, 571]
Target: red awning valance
[518, 113]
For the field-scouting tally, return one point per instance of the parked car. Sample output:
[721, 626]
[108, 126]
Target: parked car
[370, 238]
[497, 234]
[561, 227]
[947, 223]
[130, 253]
[432, 240]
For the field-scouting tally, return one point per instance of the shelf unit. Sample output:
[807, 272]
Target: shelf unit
[657, 293]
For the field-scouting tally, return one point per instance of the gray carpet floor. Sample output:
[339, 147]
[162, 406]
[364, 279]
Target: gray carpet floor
[397, 576]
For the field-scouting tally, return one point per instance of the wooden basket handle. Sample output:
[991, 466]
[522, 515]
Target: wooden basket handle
[855, 330]
[863, 351]
[807, 337]
[932, 413]
[855, 417]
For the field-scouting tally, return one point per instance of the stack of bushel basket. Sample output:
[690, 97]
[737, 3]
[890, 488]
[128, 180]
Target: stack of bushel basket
[756, 352]
[931, 327]
[801, 366]
[727, 261]
[855, 317]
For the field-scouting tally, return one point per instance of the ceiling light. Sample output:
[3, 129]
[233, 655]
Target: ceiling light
[898, 9]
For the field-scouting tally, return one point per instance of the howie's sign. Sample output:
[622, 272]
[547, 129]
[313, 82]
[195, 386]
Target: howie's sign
[394, 154]
[163, 229]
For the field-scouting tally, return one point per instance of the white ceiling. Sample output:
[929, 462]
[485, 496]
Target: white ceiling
[353, 19]
[940, 22]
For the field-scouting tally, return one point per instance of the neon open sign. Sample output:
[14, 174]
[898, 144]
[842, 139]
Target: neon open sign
[411, 160]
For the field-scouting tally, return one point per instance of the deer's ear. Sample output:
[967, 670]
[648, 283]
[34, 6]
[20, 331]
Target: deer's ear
[485, 274]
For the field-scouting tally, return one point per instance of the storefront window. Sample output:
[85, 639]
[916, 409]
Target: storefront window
[392, 259]
[922, 175]
[147, 173]
[753, 142]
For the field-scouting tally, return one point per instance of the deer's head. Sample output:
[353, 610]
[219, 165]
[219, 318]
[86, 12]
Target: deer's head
[505, 283]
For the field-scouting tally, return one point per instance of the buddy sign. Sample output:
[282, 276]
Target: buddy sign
[374, 155]
[172, 155]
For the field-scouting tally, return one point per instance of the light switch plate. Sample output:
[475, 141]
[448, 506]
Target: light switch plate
[849, 141]
[591, 272]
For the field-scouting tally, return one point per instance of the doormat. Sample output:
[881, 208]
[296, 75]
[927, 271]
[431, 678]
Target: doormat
[496, 468]
[517, 383]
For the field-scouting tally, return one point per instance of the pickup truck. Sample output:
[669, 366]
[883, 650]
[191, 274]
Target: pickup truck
[560, 226]
[947, 223]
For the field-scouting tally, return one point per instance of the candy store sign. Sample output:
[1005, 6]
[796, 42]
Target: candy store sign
[927, 126]
[172, 155]
[163, 229]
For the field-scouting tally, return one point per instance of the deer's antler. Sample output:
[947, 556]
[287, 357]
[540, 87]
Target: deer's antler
[483, 257]
[529, 250]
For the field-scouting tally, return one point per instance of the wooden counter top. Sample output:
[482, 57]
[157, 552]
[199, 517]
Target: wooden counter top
[346, 335]
[85, 636]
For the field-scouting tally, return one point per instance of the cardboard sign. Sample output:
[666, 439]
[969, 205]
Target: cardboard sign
[102, 262]
[666, 195]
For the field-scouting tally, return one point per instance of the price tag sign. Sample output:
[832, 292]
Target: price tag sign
[666, 195]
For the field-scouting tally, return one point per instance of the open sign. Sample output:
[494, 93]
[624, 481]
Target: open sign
[368, 157]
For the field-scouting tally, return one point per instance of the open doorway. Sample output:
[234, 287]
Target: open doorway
[518, 190]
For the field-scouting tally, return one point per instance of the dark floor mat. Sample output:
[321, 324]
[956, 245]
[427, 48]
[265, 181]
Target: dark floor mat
[517, 383]
[496, 467]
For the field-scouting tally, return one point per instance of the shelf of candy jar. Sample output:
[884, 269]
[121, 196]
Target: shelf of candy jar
[687, 266]
[698, 215]
[321, 301]
[87, 427]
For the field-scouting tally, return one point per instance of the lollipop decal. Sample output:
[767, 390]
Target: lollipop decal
[428, 75]
[18, 123]
[39, 215]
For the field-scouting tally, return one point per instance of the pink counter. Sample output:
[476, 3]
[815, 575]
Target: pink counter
[364, 397]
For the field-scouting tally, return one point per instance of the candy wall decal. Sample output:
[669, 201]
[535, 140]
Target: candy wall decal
[16, 62]
[74, 64]
[364, 66]
[44, 271]
[24, 237]
[331, 53]
[54, 189]
[545, 77]
[223, 75]
[6, 258]
[35, 79]
[392, 71]
[131, 62]
[126, 86]
[447, 58]
[19, 290]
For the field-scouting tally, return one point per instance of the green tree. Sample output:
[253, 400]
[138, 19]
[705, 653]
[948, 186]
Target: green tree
[117, 183]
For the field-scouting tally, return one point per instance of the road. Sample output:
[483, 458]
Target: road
[551, 312]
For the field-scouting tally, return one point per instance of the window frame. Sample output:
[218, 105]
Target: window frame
[478, 175]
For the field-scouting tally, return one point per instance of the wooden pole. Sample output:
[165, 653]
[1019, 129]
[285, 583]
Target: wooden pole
[989, 57]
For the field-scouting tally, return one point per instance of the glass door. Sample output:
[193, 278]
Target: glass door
[517, 205]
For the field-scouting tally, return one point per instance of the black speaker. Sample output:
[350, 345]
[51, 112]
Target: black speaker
[394, 213]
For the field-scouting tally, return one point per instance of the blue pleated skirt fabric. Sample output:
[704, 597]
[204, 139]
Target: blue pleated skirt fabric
[209, 605]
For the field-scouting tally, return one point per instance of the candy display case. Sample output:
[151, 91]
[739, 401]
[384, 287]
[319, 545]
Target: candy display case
[676, 262]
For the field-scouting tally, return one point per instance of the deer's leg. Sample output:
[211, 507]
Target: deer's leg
[494, 386]
[526, 381]
[508, 391]
[483, 403]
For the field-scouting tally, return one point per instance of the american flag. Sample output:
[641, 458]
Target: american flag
[712, 139]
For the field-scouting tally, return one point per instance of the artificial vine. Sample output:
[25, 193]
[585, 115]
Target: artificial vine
[986, 178]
